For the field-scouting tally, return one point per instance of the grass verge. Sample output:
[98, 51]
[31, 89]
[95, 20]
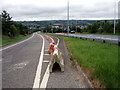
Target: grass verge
[99, 59]
[5, 40]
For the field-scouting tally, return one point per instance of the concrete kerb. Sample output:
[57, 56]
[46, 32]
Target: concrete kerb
[55, 54]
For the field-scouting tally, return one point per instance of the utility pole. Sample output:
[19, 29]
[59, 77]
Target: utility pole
[114, 17]
[68, 18]
[52, 25]
[76, 25]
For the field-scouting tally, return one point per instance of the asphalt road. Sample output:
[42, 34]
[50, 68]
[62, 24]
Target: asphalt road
[23, 63]
[19, 63]
[71, 77]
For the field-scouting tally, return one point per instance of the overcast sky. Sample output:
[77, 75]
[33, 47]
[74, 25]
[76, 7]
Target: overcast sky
[30, 10]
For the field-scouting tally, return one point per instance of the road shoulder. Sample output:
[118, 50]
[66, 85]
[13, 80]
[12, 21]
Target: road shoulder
[71, 77]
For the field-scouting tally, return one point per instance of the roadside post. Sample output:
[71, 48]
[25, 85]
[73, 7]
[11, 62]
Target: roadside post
[55, 55]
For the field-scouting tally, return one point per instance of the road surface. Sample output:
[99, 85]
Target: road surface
[25, 65]
[70, 78]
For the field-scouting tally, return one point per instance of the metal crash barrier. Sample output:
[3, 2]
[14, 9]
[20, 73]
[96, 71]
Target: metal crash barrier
[55, 55]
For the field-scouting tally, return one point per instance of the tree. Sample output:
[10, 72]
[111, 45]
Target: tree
[6, 17]
[6, 22]
[100, 27]
[11, 28]
[14, 31]
[108, 27]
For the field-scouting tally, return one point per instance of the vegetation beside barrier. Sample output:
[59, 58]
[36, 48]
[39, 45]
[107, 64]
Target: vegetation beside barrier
[11, 31]
[98, 60]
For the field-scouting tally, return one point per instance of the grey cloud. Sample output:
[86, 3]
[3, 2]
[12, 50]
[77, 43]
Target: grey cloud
[34, 11]
[97, 10]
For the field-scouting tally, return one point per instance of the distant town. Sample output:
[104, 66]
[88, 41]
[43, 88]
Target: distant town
[61, 25]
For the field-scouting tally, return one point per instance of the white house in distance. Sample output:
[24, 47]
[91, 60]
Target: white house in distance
[58, 26]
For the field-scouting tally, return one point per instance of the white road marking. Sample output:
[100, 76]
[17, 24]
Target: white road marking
[58, 41]
[46, 54]
[46, 61]
[17, 66]
[45, 78]
[20, 65]
[39, 67]
[16, 43]
[47, 74]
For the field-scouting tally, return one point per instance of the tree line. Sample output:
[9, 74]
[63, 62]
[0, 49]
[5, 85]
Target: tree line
[99, 27]
[10, 28]
[105, 27]
[102, 27]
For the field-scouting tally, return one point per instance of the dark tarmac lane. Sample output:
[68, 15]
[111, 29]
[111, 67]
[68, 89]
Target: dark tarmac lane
[19, 63]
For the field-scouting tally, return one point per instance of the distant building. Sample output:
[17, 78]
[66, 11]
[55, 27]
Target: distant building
[60, 26]
[33, 26]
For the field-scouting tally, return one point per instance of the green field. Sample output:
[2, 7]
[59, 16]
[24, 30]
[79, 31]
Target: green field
[100, 59]
[5, 40]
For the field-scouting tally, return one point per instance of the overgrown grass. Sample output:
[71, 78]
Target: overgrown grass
[5, 40]
[99, 58]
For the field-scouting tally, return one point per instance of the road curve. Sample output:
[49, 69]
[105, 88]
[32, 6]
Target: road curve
[19, 63]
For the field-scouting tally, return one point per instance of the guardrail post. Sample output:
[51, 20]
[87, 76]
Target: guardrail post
[118, 43]
[103, 41]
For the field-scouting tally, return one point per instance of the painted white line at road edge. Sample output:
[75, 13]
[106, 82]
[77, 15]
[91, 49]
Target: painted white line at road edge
[39, 67]
[47, 74]
[45, 78]
[16, 43]
[58, 41]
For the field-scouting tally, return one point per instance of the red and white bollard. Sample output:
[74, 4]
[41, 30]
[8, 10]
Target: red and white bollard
[55, 55]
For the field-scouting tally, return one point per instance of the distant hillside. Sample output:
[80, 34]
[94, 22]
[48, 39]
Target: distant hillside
[41, 24]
